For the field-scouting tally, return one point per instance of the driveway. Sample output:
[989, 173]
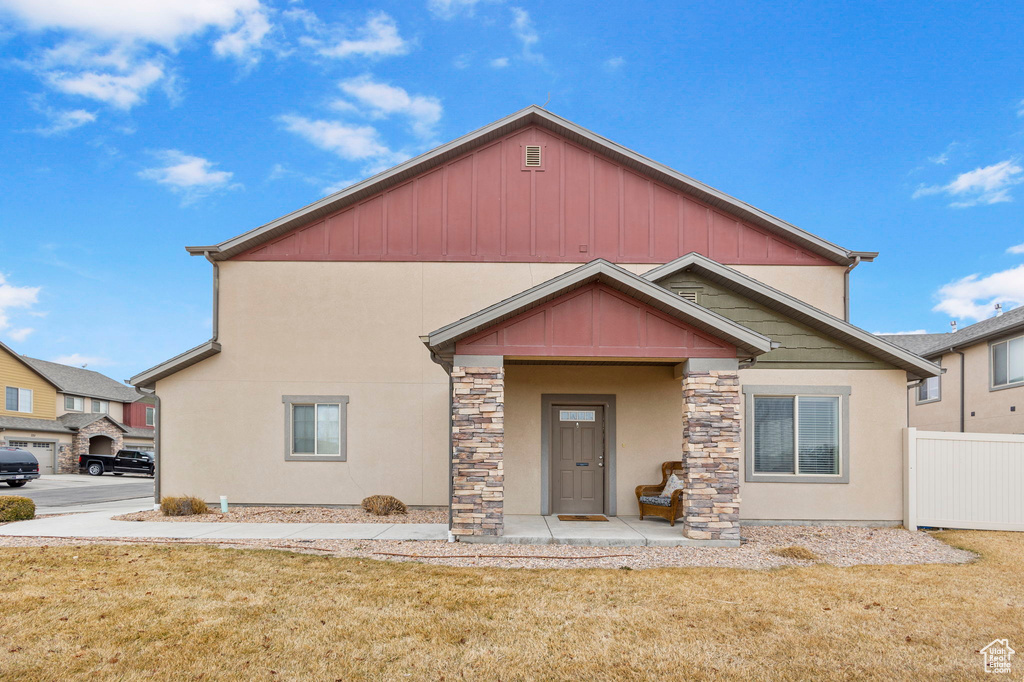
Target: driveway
[72, 490]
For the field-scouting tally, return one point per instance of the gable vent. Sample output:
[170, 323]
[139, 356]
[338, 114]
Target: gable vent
[689, 293]
[532, 155]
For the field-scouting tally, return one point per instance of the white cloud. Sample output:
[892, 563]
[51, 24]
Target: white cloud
[19, 335]
[121, 90]
[449, 9]
[499, 63]
[191, 175]
[914, 331]
[975, 296]
[154, 21]
[988, 185]
[614, 63]
[522, 26]
[424, 112]
[63, 121]
[1019, 248]
[244, 41]
[350, 142]
[1020, 108]
[463, 61]
[79, 360]
[12, 296]
[377, 38]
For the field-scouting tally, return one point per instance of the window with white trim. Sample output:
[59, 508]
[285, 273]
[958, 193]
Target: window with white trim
[1007, 358]
[74, 403]
[928, 390]
[797, 435]
[18, 399]
[150, 416]
[101, 406]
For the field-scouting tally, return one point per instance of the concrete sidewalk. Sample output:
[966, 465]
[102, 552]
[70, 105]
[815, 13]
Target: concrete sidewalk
[98, 524]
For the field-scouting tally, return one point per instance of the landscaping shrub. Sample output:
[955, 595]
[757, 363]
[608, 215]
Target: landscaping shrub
[16, 508]
[183, 506]
[384, 505]
[795, 552]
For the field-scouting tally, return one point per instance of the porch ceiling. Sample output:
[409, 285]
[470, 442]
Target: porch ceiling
[712, 335]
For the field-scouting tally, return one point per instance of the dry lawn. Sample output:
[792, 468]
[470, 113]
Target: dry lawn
[133, 612]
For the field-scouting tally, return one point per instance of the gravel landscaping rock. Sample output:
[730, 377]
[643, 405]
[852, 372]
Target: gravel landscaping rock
[293, 515]
[837, 546]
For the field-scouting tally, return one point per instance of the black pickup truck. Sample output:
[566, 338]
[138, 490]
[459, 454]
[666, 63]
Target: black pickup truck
[124, 462]
[17, 466]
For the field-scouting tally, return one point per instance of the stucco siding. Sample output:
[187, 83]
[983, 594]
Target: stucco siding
[992, 413]
[332, 328]
[942, 414]
[822, 286]
[15, 374]
[116, 408]
[877, 417]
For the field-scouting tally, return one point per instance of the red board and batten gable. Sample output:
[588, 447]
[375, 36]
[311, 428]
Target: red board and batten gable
[594, 321]
[486, 206]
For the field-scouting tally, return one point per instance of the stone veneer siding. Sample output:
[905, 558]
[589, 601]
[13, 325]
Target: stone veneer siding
[67, 462]
[100, 427]
[711, 455]
[478, 437]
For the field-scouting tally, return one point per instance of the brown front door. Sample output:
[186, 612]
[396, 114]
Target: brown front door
[577, 459]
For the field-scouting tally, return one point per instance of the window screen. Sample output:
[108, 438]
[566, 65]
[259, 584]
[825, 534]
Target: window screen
[773, 435]
[818, 435]
[304, 429]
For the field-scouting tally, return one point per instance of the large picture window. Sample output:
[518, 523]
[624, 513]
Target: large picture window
[1008, 362]
[315, 427]
[797, 434]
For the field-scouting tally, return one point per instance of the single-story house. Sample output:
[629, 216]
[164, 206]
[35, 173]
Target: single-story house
[982, 387]
[59, 412]
[531, 319]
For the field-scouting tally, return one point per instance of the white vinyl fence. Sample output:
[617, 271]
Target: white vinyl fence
[963, 480]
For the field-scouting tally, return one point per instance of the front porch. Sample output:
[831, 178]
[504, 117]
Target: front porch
[617, 531]
[578, 441]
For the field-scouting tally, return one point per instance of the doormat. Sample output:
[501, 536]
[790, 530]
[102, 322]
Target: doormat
[582, 517]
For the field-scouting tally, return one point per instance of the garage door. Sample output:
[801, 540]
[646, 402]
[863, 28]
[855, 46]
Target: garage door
[42, 451]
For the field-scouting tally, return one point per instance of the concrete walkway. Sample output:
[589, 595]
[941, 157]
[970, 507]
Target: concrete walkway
[95, 522]
[98, 524]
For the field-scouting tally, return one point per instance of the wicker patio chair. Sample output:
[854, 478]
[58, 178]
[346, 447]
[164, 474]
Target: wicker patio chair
[648, 497]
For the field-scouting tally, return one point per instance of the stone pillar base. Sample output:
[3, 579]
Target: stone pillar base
[478, 438]
[711, 455]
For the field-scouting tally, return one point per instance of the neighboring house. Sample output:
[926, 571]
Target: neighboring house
[59, 412]
[982, 387]
[530, 320]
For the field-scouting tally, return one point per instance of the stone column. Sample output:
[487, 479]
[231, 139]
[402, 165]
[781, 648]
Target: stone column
[711, 450]
[478, 437]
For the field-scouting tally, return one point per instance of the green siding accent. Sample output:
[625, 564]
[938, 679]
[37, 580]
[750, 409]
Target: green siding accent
[802, 347]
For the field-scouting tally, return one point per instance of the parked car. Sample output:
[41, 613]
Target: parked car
[17, 466]
[124, 462]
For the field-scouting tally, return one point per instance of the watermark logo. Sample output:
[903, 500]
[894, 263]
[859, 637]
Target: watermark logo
[997, 656]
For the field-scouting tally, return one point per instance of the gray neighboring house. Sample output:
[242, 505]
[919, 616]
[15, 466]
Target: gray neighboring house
[982, 387]
[59, 412]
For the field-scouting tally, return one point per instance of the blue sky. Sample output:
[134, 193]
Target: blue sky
[128, 133]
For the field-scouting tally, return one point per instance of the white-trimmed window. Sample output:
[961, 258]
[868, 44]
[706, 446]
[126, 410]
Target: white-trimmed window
[797, 435]
[18, 399]
[315, 427]
[1007, 358]
[74, 403]
[100, 406]
[150, 416]
[928, 391]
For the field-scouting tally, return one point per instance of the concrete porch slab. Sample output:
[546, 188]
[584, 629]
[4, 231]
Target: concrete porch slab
[618, 531]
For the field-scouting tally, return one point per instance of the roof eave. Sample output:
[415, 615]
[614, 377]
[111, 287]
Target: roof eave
[914, 364]
[530, 115]
[148, 378]
[442, 341]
